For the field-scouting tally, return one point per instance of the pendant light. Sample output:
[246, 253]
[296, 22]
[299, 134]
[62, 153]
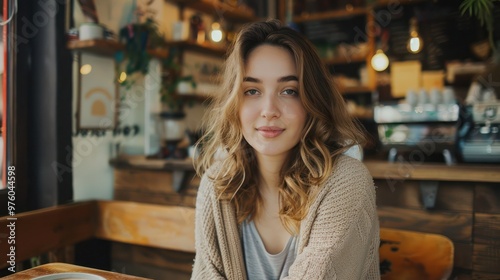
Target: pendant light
[216, 34]
[380, 61]
[415, 43]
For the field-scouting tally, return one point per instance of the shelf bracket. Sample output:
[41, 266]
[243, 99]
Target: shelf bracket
[428, 193]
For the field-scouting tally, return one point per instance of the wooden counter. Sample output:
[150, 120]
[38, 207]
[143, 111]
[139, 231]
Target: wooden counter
[378, 168]
[433, 171]
[467, 208]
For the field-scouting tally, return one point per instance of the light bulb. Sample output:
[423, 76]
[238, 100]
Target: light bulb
[380, 61]
[123, 77]
[415, 43]
[85, 69]
[216, 33]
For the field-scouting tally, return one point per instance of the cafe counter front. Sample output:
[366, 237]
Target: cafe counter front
[461, 202]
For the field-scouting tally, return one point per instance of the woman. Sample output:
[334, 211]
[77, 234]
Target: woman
[278, 199]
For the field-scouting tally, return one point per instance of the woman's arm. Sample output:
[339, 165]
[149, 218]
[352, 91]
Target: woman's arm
[343, 231]
[207, 262]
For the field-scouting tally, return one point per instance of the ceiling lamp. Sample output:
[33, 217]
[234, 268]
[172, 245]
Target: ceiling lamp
[380, 61]
[415, 43]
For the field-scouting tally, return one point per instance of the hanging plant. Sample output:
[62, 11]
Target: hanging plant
[483, 11]
[139, 40]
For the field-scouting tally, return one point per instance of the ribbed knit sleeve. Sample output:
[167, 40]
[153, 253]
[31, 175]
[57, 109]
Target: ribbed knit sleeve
[208, 262]
[339, 239]
[219, 253]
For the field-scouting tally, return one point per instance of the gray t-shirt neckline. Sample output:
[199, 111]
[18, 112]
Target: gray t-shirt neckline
[260, 265]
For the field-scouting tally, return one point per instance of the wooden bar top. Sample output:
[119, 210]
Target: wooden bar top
[434, 171]
[380, 169]
[141, 162]
[52, 268]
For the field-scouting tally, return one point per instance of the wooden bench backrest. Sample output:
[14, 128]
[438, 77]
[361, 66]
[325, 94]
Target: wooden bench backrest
[166, 227]
[37, 232]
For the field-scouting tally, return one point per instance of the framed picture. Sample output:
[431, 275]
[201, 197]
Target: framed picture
[98, 92]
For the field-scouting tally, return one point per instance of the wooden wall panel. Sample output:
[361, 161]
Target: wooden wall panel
[454, 225]
[149, 271]
[153, 181]
[461, 274]
[485, 276]
[463, 255]
[154, 187]
[486, 258]
[487, 229]
[487, 198]
[175, 260]
[456, 196]
[155, 198]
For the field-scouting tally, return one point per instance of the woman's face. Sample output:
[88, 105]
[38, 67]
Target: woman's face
[271, 113]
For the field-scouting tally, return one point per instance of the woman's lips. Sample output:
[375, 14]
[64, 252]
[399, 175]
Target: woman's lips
[270, 131]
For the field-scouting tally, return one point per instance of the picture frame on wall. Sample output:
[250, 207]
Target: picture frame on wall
[97, 93]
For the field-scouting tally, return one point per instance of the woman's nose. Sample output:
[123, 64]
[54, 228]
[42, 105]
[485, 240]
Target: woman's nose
[270, 107]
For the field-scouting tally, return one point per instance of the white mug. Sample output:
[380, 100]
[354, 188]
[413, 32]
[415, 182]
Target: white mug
[90, 30]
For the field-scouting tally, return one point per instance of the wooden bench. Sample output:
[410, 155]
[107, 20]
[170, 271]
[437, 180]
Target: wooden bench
[40, 231]
[403, 254]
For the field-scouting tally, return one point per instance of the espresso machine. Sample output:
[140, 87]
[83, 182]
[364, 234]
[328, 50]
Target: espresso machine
[479, 137]
[419, 129]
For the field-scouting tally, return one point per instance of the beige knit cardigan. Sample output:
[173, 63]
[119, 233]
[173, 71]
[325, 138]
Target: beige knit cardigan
[339, 238]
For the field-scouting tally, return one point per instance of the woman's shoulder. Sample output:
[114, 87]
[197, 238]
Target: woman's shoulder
[347, 167]
[206, 184]
[349, 175]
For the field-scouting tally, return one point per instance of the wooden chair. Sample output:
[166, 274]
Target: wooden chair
[408, 255]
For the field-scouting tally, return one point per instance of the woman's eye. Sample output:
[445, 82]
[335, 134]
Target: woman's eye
[290, 92]
[251, 92]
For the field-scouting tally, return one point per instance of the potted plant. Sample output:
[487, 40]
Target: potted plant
[141, 40]
[483, 11]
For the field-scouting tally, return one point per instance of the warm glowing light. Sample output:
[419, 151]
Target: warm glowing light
[216, 34]
[415, 43]
[380, 61]
[85, 69]
[123, 77]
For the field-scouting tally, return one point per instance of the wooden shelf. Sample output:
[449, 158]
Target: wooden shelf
[345, 60]
[108, 47]
[100, 47]
[385, 3]
[345, 13]
[199, 98]
[330, 15]
[354, 90]
[215, 7]
[206, 48]
[143, 163]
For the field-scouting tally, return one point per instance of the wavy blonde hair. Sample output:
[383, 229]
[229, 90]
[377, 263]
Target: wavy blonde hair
[328, 132]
